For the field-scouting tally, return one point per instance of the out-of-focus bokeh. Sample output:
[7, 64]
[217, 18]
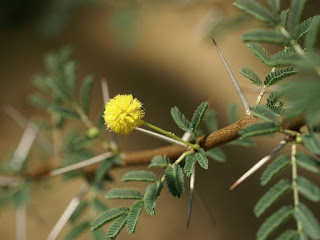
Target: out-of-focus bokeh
[162, 53]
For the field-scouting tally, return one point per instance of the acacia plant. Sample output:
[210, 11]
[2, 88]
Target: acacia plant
[286, 105]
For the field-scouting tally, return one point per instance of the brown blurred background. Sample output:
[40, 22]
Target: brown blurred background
[161, 52]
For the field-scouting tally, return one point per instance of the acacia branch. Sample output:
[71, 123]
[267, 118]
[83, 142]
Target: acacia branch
[214, 139]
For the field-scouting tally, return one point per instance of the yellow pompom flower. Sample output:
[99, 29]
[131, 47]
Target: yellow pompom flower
[123, 113]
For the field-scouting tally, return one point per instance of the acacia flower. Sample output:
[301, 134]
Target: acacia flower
[123, 113]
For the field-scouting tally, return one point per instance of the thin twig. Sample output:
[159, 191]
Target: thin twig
[234, 81]
[81, 164]
[68, 212]
[24, 147]
[21, 222]
[260, 163]
[162, 137]
[106, 98]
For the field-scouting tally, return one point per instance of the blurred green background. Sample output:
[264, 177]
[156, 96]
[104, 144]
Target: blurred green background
[161, 52]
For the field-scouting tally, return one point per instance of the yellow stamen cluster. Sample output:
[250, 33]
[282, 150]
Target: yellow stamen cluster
[123, 113]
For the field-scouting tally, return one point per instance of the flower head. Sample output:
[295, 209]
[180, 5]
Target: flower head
[123, 113]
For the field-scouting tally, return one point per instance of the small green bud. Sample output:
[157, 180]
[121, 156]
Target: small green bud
[298, 139]
[93, 132]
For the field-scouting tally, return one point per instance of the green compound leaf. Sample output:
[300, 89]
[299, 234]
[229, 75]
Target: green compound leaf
[189, 164]
[216, 154]
[264, 113]
[304, 27]
[273, 168]
[159, 162]
[174, 180]
[64, 112]
[78, 211]
[124, 193]
[274, 221]
[150, 197]
[69, 71]
[116, 227]
[249, 73]
[274, 5]
[260, 52]
[180, 119]
[307, 162]
[102, 169]
[285, 57]
[265, 36]
[97, 234]
[145, 176]
[257, 129]
[310, 224]
[283, 17]
[197, 116]
[270, 197]
[311, 37]
[133, 216]
[77, 230]
[294, 16]
[256, 10]
[275, 77]
[85, 93]
[289, 234]
[58, 89]
[312, 143]
[107, 216]
[210, 120]
[38, 101]
[308, 189]
[275, 104]
[202, 158]
[98, 205]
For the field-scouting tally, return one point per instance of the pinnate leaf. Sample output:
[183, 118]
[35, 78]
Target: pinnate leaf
[202, 158]
[189, 164]
[273, 168]
[310, 224]
[146, 176]
[133, 216]
[159, 161]
[197, 116]
[308, 189]
[180, 119]
[124, 193]
[116, 227]
[107, 216]
[249, 73]
[174, 180]
[256, 129]
[151, 195]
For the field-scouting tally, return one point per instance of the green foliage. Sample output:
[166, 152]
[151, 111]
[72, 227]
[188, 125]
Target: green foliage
[271, 196]
[311, 37]
[264, 114]
[189, 164]
[210, 120]
[285, 57]
[308, 162]
[294, 16]
[265, 36]
[197, 116]
[124, 193]
[202, 158]
[308, 189]
[309, 223]
[151, 195]
[260, 52]
[116, 227]
[273, 168]
[256, 129]
[64, 112]
[101, 170]
[304, 27]
[274, 5]
[311, 143]
[133, 216]
[288, 235]
[78, 211]
[249, 73]
[159, 162]
[232, 113]
[174, 180]
[98, 205]
[180, 119]
[275, 104]
[108, 216]
[97, 234]
[274, 221]
[216, 154]
[77, 230]
[278, 75]
[146, 176]
[85, 93]
[256, 10]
